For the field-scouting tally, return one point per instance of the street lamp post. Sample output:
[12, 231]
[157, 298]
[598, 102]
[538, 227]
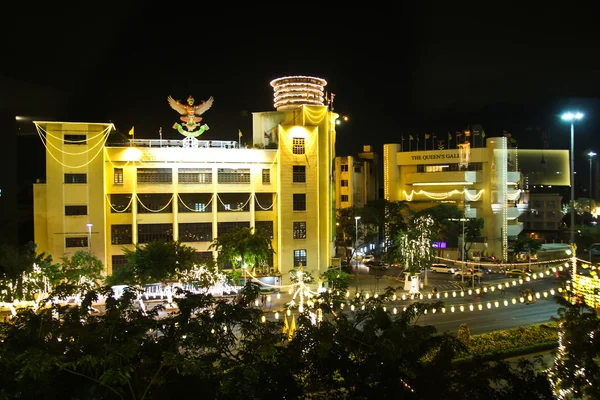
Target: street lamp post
[572, 117]
[89, 226]
[462, 251]
[356, 242]
[590, 155]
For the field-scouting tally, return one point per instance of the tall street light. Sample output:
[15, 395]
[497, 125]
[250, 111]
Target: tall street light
[590, 155]
[89, 226]
[572, 117]
[356, 242]
[462, 253]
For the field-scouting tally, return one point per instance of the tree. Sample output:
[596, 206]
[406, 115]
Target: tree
[382, 219]
[526, 244]
[464, 335]
[576, 370]
[413, 247]
[444, 218]
[244, 248]
[82, 268]
[220, 349]
[472, 231]
[346, 232]
[157, 261]
[24, 273]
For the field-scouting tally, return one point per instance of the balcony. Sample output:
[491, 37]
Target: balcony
[158, 143]
[514, 229]
[450, 178]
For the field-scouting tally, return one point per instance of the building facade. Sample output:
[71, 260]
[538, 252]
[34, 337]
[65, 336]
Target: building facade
[106, 197]
[543, 219]
[357, 179]
[486, 182]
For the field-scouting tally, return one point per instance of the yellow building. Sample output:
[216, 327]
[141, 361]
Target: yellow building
[357, 179]
[104, 196]
[487, 182]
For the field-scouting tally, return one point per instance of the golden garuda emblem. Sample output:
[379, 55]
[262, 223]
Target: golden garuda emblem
[190, 115]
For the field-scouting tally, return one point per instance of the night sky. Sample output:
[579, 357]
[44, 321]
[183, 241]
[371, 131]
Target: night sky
[430, 67]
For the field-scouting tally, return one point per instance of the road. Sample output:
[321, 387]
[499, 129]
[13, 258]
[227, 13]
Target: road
[479, 321]
[497, 311]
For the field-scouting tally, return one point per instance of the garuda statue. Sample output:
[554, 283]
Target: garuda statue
[190, 115]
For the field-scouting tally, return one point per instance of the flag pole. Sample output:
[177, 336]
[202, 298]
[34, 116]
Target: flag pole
[160, 134]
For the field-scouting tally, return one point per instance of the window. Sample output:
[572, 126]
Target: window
[75, 139]
[120, 203]
[194, 175]
[154, 175]
[224, 227]
[151, 232]
[266, 227]
[120, 234]
[263, 201]
[357, 169]
[75, 178]
[204, 257]
[344, 168]
[76, 241]
[195, 232]
[344, 183]
[298, 145]
[300, 230]
[118, 176]
[75, 210]
[299, 202]
[266, 175]
[299, 258]
[195, 202]
[299, 173]
[233, 175]
[345, 198]
[233, 202]
[117, 262]
[155, 203]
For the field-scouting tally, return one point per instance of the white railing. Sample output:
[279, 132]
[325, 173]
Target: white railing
[203, 144]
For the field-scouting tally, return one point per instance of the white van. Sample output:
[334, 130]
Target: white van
[442, 268]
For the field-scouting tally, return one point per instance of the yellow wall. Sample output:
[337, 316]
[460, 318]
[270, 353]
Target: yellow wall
[98, 161]
[52, 227]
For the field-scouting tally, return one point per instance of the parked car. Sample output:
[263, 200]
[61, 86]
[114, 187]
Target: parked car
[377, 265]
[442, 268]
[518, 272]
[469, 273]
[367, 258]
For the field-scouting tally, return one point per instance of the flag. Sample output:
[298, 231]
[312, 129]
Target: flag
[449, 136]
[467, 132]
[410, 137]
[240, 133]
[131, 131]
[482, 133]
[292, 328]
[427, 136]
[286, 326]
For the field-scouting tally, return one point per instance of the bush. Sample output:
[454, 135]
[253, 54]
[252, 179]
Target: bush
[507, 343]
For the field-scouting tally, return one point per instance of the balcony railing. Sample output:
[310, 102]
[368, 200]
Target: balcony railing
[202, 144]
